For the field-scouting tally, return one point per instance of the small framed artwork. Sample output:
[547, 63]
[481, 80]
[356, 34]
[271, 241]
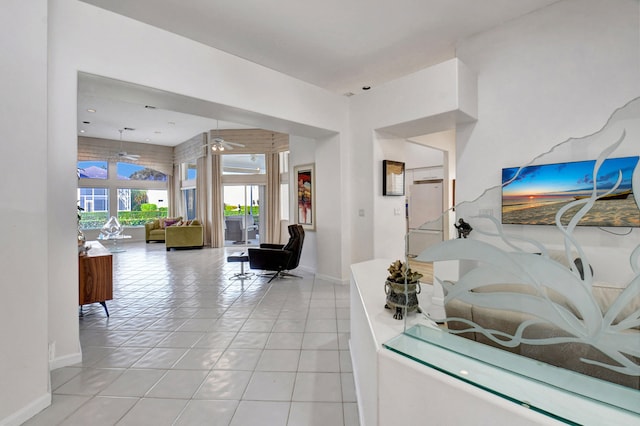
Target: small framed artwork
[306, 200]
[392, 177]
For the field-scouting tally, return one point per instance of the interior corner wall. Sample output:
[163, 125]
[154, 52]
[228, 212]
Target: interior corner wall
[551, 75]
[23, 253]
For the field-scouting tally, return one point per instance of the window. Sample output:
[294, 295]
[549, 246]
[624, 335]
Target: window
[139, 206]
[128, 171]
[284, 161]
[92, 170]
[189, 195]
[189, 171]
[284, 201]
[243, 164]
[134, 193]
[95, 205]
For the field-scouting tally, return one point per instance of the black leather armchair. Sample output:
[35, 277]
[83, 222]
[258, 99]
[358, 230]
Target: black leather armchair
[277, 257]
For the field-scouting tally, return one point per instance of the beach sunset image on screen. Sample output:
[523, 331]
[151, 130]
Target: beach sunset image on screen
[533, 195]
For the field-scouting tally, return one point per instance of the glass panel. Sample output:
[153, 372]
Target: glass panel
[92, 170]
[284, 201]
[190, 202]
[139, 206]
[547, 274]
[242, 214]
[243, 164]
[128, 171]
[284, 162]
[189, 171]
[95, 205]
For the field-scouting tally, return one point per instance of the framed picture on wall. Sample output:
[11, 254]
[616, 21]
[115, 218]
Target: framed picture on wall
[392, 177]
[306, 200]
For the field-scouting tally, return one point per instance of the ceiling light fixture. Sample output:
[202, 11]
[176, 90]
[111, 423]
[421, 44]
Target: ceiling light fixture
[217, 145]
[91, 110]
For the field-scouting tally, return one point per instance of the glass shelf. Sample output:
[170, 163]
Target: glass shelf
[561, 394]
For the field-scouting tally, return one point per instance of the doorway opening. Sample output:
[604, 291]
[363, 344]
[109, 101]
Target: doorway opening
[242, 206]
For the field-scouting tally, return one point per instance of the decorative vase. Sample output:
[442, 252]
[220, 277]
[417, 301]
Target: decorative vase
[402, 288]
[403, 297]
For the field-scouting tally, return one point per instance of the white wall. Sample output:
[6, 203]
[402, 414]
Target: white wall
[551, 75]
[88, 39]
[429, 101]
[23, 252]
[302, 151]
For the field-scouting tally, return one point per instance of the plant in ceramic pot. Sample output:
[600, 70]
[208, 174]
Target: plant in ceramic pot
[402, 288]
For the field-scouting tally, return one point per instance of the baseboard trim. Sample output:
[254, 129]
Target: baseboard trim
[65, 361]
[331, 279]
[28, 411]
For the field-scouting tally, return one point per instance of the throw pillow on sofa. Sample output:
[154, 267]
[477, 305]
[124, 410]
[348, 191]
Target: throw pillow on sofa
[169, 221]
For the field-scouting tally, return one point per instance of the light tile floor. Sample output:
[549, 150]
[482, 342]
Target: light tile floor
[187, 344]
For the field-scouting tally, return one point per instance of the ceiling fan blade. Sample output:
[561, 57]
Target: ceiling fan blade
[233, 144]
[132, 157]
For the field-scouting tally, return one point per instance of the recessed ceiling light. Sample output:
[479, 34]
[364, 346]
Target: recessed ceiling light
[129, 128]
[149, 107]
[86, 122]
[81, 130]
[147, 140]
[349, 94]
[91, 110]
[366, 87]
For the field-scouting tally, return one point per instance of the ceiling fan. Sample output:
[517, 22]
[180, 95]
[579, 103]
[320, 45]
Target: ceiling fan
[219, 144]
[123, 155]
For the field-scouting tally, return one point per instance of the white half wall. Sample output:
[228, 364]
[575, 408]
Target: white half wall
[24, 364]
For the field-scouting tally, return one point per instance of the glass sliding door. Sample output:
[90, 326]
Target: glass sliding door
[242, 225]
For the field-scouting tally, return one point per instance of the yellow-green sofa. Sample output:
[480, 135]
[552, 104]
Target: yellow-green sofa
[175, 235]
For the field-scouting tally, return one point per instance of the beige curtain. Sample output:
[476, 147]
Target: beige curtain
[202, 200]
[216, 206]
[272, 213]
[173, 193]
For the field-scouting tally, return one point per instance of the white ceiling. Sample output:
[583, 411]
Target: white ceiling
[340, 45]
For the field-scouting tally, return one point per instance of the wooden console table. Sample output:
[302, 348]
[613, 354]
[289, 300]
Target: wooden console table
[96, 276]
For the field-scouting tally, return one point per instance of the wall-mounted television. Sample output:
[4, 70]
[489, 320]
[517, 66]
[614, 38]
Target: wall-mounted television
[534, 194]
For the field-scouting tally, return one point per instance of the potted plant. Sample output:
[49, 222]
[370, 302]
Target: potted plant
[402, 288]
